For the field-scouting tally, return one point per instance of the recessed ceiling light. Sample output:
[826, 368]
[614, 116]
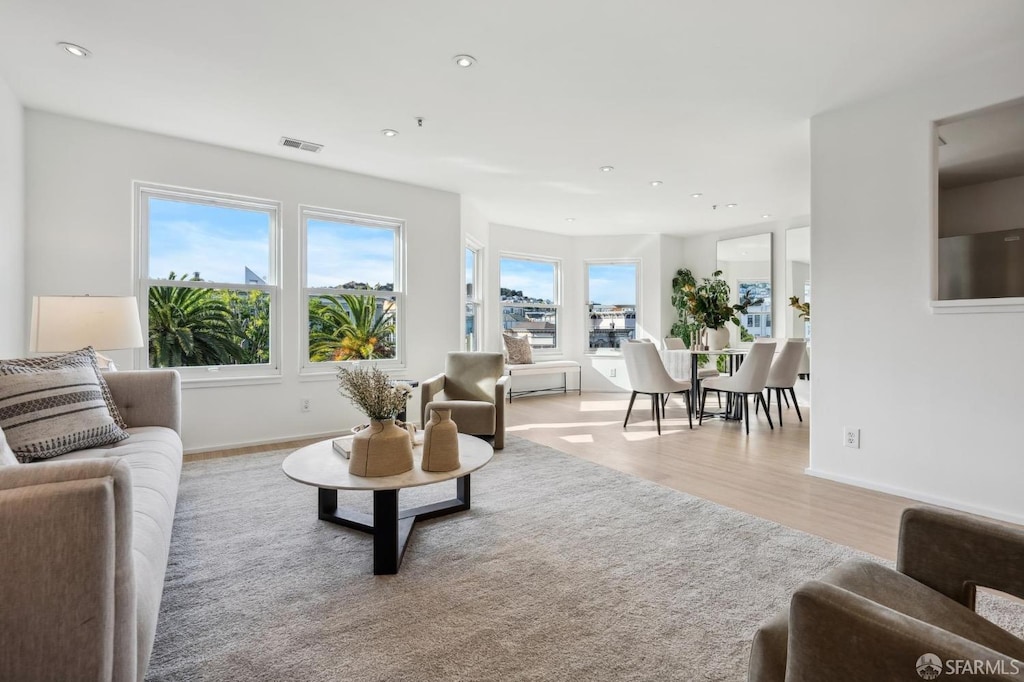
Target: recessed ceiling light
[74, 50]
[464, 60]
[730, 205]
[767, 215]
[696, 195]
[388, 132]
[570, 220]
[656, 183]
[607, 169]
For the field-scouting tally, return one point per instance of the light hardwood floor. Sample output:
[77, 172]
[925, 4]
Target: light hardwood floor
[761, 474]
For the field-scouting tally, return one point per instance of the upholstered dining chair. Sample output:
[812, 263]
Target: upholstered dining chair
[783, 375]
[749, 379]
[647, 375]
[473, 387]
[675, 343]
[864, 622]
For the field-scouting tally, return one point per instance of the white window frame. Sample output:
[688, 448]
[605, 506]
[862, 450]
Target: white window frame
[214, 374]
[477, 299]
[556, 306]
[396, 364]
[586, 298]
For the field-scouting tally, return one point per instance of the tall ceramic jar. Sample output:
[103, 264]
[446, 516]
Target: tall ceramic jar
[382, 449]
[440, 442]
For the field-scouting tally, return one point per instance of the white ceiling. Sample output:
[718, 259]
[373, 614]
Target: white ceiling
[710, 97]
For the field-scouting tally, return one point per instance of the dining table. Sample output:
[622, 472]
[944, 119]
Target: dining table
[683, 365]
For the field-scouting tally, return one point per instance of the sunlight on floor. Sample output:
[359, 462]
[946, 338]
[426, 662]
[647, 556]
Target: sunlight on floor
[558, 425]
[581, 438]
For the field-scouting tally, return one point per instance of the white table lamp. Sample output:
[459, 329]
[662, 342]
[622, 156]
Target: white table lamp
[66, 323]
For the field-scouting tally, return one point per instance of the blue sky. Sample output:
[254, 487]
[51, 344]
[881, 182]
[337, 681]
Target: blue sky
[613, 284]
[220, 243]
[535, 280]
[217, 242]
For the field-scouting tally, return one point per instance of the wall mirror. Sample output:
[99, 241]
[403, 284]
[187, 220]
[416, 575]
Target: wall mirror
[981, 204]
[746, 265]
[798, 280]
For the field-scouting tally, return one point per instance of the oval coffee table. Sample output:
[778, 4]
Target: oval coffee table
[321, 466]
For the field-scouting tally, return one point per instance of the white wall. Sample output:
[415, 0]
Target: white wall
[984, 207]
[936, 399]
[700, 254]
[80, 240]
[12, 225]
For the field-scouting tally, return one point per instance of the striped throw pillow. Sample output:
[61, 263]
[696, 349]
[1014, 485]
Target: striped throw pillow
[50, 411]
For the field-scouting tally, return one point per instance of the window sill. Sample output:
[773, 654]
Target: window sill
[314, 374]
[978, 305]
[194, 382]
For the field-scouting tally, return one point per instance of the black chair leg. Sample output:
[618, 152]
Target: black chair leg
[793, 393]
[767, 412]
[757, 406]
[786, 397]
[719, 394]
[703, 399]
[778, 400]
[746, 410]
[656, 399]
[629, 409]
[689, 412]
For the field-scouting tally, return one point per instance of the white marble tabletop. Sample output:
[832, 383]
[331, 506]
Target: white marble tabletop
[321, 466]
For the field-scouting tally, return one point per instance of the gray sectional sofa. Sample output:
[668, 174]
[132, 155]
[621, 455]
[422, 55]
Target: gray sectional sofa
[84, 539]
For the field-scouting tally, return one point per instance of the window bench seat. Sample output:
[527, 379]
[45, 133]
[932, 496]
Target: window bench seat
[563, 367]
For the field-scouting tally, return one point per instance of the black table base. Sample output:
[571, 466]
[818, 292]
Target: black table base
[390, 526]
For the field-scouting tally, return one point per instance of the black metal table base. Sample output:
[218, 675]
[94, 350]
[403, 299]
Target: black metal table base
[390, 526]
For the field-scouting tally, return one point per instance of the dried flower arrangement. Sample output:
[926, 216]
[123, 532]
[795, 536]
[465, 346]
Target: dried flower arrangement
[372, 392]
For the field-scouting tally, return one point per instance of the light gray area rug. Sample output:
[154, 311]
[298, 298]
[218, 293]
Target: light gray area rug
[562, 570]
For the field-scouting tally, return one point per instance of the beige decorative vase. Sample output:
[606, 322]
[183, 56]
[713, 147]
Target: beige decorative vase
[383, 449]
[718, 338]
[440, 442]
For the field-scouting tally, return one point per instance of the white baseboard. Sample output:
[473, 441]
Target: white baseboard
[260, 442]
[919, 496]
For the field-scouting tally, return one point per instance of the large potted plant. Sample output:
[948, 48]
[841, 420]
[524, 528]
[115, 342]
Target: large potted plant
[707, 304]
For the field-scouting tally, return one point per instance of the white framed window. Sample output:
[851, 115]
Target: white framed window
[612, 290]
[209, 282]
[473, 320]
[530, 296]
[353, 294]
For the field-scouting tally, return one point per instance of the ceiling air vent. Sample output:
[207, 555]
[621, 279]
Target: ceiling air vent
[299, 144]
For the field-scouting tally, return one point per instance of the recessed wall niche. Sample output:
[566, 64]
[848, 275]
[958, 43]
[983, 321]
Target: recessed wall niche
[981, 204]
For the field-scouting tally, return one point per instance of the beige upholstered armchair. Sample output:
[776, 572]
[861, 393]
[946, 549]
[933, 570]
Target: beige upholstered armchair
[865, 622]
[473, 387]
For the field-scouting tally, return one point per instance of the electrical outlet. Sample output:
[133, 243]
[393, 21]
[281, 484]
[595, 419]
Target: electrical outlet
[612, 372]
[305, 404]
[851, 437]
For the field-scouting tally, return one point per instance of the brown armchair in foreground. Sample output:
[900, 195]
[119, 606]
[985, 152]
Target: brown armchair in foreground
[473, 388]
[865, 622]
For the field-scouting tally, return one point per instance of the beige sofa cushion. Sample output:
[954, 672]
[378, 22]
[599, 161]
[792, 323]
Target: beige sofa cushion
[50, 410]
[154, 455]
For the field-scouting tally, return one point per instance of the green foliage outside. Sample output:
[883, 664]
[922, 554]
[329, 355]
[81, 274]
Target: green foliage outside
[199, 327]
[349, 327]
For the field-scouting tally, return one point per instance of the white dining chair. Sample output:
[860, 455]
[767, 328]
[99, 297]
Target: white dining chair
[749, 379]
[783, 375]
[647, 374]
[675, 343]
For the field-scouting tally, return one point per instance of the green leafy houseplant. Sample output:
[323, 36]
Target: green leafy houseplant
[804, 309]
[706, 303]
